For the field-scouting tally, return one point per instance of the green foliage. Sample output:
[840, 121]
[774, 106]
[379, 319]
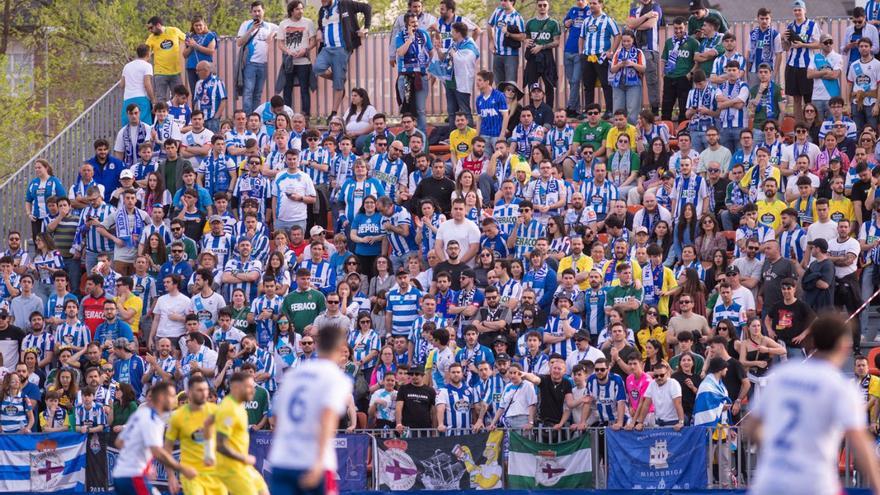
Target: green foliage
[22, 119]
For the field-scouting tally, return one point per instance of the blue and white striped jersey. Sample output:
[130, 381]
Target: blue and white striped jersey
[259, 244]
[320, 156]
[13, 413]
[809, 32]
[731, 117]
[233, 336]
[209, 95]
[421, 346]
[162, 229]
[527, 235]
[597, 32]
[90, 417]
[74, 334]
[545, 193]
[145, 288]
[404, 309]
[363, 344]
[217, 171]
[693, 190]
[594, 310]
[721, 62]
[400, 245]
[238, 139]
[429, 237]
[793, 243]
[236, 265]
[490, 392]
[734, 312]
[693, 265]
[54, 307]
[459, 401]
[253, 186]
[37, 192]
[606, 396]
[88, 236]
[323, 275]
[353, 193]
[497, 20]
[265, 363]
[559, 140]
[390, 174]
[761, 232]
[554, 327]
[331, 25]
[220, 245]
[42, 342]
[266, 327]
[763, 47]
[599, 196]
[342, 167]
[505, 215]
[168, 365]
[537, 364]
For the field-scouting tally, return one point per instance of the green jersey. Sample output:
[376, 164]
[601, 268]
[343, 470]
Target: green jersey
[680, 55]
[587, 134]
[542, 31]
[240, 319]
[258, 407]
[301, 308]
[619, 294]
[770, 99]
[710, 44]
[695, 23]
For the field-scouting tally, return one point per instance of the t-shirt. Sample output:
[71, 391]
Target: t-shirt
[384, 412]
[824, 89]
[465, 233]
[231, 420]
[258, 407]
[551, 399]
[587, 134]
[805, 409]
[789, 320]
[772, 275]
[143, 431]
[133, 73]
[296, 35]
[166, 50]
[837, 248]
[662, 399]
[258, 46]
[417, 404]
[167, 305]
[10, 346]
[619, 294]
[864, 77]
[542, 31]
[696, 323]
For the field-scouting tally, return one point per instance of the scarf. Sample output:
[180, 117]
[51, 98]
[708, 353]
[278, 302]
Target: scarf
[621, 166]
[673, 54]
[761, 45]
[124, 231]
[627, 76]
[129, 149]
[652, 281]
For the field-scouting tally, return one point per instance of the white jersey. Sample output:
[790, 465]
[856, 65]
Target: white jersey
[311, 387]
[145, 429]
[804, 410]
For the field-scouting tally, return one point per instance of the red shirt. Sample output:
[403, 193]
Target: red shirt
[93, 312]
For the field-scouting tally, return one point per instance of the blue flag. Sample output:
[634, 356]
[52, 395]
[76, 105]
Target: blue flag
[43, 463]
[659, 458]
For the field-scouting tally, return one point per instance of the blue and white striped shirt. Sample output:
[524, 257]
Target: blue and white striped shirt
[599, 196]
[38, 191]
[691, 190]
[607, 396]
[400, 245]
[256, 187]
[721, 62]
[763, 47]
[42, 342]
[422, 347]
[13, 413]
[266, 328]
[209, 95]
[220, 245]
[217, 172]
[94, 241]
[537, 364]
[404, 309]
[353, 193]
[505, 215]
[734, 313]
[598, 32]
[490, 392]
[430, 236]
[321, 156]
[236, 265]
[459, 401]
[55, 308]
[91, 416]
[500, 18]
[809, 32]
[363, 344]
[527, 235]
[732, 117]
[793, 242]
[72, 334]
[554, 327]
[331, 26]
[144, 288]
[594, 310]
[559, 140]
[323, 275]
[389, 173]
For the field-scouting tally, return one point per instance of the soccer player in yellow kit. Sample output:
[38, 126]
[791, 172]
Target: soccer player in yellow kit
[189, 425]
[235, 467]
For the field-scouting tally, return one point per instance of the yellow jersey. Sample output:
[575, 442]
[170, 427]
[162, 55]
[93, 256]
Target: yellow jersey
[770, 212]
[614, 133]
[609, 271]
[806, 210]
[166, 51]
[838, 209]
[460, 142]
[231, 420]
[188, 427]
[137, 305]
[584, 264]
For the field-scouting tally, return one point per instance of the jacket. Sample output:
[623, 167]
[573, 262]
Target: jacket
[348, 10]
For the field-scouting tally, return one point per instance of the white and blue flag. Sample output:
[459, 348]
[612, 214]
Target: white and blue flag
[43, 463]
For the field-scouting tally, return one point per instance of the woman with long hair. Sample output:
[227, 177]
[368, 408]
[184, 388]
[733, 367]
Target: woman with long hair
[813, 121]
[464, 183]
[45, 263]
[284, 346]
[385, 365]
[347, 303]
[485, 263]
[720, 263]
[384, 279]
[685, 232]
[625, 73]
[829, 152]
[241, 310]
[200, 46]
[756, 353]
[40, 188]
[366, 344]
[725, 328]
[539, 154]
[65, 383]
[124, 405]
[153, 193]
[513, 95]
[517, 270]
[653, 355]
[225, 367]
[662, 236]
[377, 311]
[156, 251]
[413, 267]
[281, 244]
[560, 242]
[651, 329]
[277, 270]
[623, 166]
[653, 161]
[709, 239]
[836, 169]
[427, 225]
[689, 380]
[351, 265]
[16, 414]
[359, 116]
[367, 235]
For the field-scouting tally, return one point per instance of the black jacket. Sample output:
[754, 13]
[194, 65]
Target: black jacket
[348, 10]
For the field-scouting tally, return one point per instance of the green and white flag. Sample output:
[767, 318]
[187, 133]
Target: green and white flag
[563, 465]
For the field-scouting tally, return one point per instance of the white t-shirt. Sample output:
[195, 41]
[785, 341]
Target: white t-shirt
[466, 233]
[805, 409]
[357, 126]
[119, 144]
[133, 74]
[837, 248]
[296, 35]
[819, 230]
[309, 389]
[258, 47]
[864, 77]
[192, 138]
[517, 399]
[207, 307]
[836, 62]
[744, 297]
[576, 356]
[286, 183]
[167, 305]
[792, 187]
[661, 398]
[144, 430]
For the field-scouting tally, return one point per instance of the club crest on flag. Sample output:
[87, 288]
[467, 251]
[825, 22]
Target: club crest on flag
[46, 467]
[659, 455]
[548, 470]
[396, 467]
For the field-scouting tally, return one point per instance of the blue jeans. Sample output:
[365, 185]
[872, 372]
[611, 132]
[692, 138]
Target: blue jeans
[572, 64]
[698, 141]
[456, 101]
[421, 96]
[863, 116]
[254, 80]
[730, 138]
[505, 67]
[73, 267]
[213, 125]
[628, 98]
[400, 261]
[335, 58]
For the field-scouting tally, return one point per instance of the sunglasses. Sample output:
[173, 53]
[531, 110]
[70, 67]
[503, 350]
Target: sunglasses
[828, 43]
[364, 321]
[177, 250]
[684, 302]
[593, 112]
[600, 370]
[802, 131]
[332, 302]
[283, 322]
[307, 343]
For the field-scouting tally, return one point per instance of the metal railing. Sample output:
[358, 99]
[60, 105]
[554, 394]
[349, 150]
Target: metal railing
[66, 152]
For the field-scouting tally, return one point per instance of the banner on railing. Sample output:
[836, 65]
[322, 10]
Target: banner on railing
[352, 455]
[43, 463]
[532, 464]
[457, 462]
[101, 456]
[657, 458]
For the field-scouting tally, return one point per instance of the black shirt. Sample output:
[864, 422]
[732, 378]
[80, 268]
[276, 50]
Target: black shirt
[417, 404]
[860, 193]
[551, 399]
[789, 320]
[719, 191]
[10, 345]
[440, 190]
[772, 275]
[688, 396]
[453, 270]
[734, 377]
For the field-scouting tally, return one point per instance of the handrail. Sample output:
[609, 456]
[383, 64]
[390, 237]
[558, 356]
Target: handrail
[65, 152]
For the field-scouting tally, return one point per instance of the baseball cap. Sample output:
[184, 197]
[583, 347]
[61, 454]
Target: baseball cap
[316, 230]
[4, 313]
[499, 339]
[417, 370]
[731, 271]
[502, 356]
[798, 4]
[215, 218]
[536, 87]
[126, 174]
[641, 229]
[696, 5]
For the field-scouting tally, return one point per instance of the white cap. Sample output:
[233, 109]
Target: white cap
[126, 174]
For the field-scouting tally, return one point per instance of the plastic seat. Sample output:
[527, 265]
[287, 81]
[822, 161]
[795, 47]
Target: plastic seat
[872, 359]
[634, 208]
[670, 126]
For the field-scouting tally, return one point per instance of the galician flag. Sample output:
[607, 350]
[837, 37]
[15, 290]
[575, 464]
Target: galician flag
[563, 465]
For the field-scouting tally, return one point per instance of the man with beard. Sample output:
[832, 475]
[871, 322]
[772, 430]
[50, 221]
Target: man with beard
[437, 187]
[493, 319]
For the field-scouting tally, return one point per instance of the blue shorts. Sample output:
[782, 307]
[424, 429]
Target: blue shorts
[286, 482]
[132, 486]
[335, 58]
